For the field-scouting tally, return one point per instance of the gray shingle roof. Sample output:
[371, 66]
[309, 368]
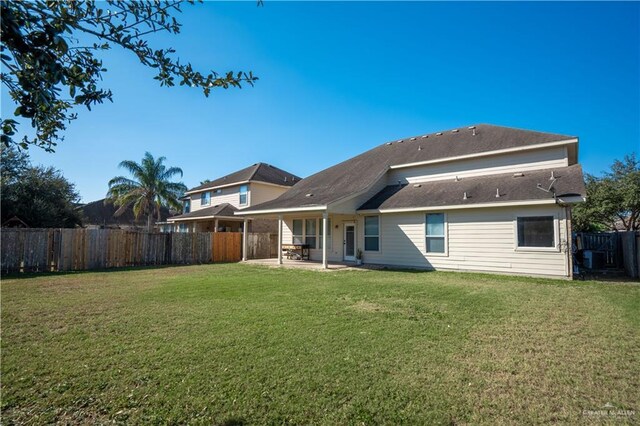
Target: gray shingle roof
[356, 174]
[480, 190]
[102, 212]
[224, 209]
[260, 172]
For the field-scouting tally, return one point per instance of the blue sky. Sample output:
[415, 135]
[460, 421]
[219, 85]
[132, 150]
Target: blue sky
[339, 78]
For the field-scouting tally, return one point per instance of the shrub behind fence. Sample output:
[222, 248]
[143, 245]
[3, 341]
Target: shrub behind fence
[83, 249]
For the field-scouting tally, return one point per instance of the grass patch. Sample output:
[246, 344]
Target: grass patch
[235, 344]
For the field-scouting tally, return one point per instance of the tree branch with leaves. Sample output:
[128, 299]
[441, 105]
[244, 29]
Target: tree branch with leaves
[47, 73]
[613, 199]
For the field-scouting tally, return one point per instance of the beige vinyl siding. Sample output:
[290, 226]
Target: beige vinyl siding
[260, 193]
[229, 195]
[477, 240]
[505, 163]
[257, 193]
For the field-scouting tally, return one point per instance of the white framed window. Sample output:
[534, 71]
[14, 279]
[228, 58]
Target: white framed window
[205, 198]
[435, 235]
[298, 231]
[310, 232]
[244, 190]
[372, 233]
[186, 206]
[183, 227]
[217, 191]
[536, 232]
[329, 238]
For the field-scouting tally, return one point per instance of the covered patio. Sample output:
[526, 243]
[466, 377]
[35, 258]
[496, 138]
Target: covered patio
[305, 264]
[325, 240]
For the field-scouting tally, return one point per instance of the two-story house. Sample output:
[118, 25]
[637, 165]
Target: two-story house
[211, 206]
[478, 198]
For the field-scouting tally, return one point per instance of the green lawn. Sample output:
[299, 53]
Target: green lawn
[234, 344]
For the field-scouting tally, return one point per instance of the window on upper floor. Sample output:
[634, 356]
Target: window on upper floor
[536, 231]
[205, 198]
[244, 190]
[186, 206]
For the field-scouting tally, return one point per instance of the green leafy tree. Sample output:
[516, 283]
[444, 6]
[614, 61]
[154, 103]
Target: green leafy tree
[48, 71]
[149, 188]
[613, 198]
[40, 196]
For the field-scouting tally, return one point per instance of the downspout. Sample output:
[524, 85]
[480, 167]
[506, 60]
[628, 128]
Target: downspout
[569, 232]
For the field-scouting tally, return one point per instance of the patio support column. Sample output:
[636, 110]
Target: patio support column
[216, 226]
[325, 217]
[245, 231]
[280, 240]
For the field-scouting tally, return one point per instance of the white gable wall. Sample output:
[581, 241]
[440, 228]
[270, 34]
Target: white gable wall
[539, 159]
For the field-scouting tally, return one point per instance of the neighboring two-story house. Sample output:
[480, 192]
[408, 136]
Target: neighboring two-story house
[211, 206]
[478, 198]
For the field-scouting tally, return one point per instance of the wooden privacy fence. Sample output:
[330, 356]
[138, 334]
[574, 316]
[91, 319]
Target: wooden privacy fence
[85, 249]
[621, 249]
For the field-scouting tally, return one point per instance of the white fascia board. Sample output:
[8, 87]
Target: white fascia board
[184, 219]
[287, 210]
[486, 154]
[259, 182]
[458, 207]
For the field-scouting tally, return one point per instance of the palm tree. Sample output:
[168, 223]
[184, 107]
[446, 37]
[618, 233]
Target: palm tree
[149, 188]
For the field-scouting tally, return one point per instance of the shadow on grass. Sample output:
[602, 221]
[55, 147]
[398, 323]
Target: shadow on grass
[24, 275]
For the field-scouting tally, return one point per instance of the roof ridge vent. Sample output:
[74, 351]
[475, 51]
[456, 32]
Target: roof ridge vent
[389, 143]
[519, 174]
[308, 195]
[439, 134]
[424, 136]
[417, 185]
[400, 141]
[413, 139]
[454, 131]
